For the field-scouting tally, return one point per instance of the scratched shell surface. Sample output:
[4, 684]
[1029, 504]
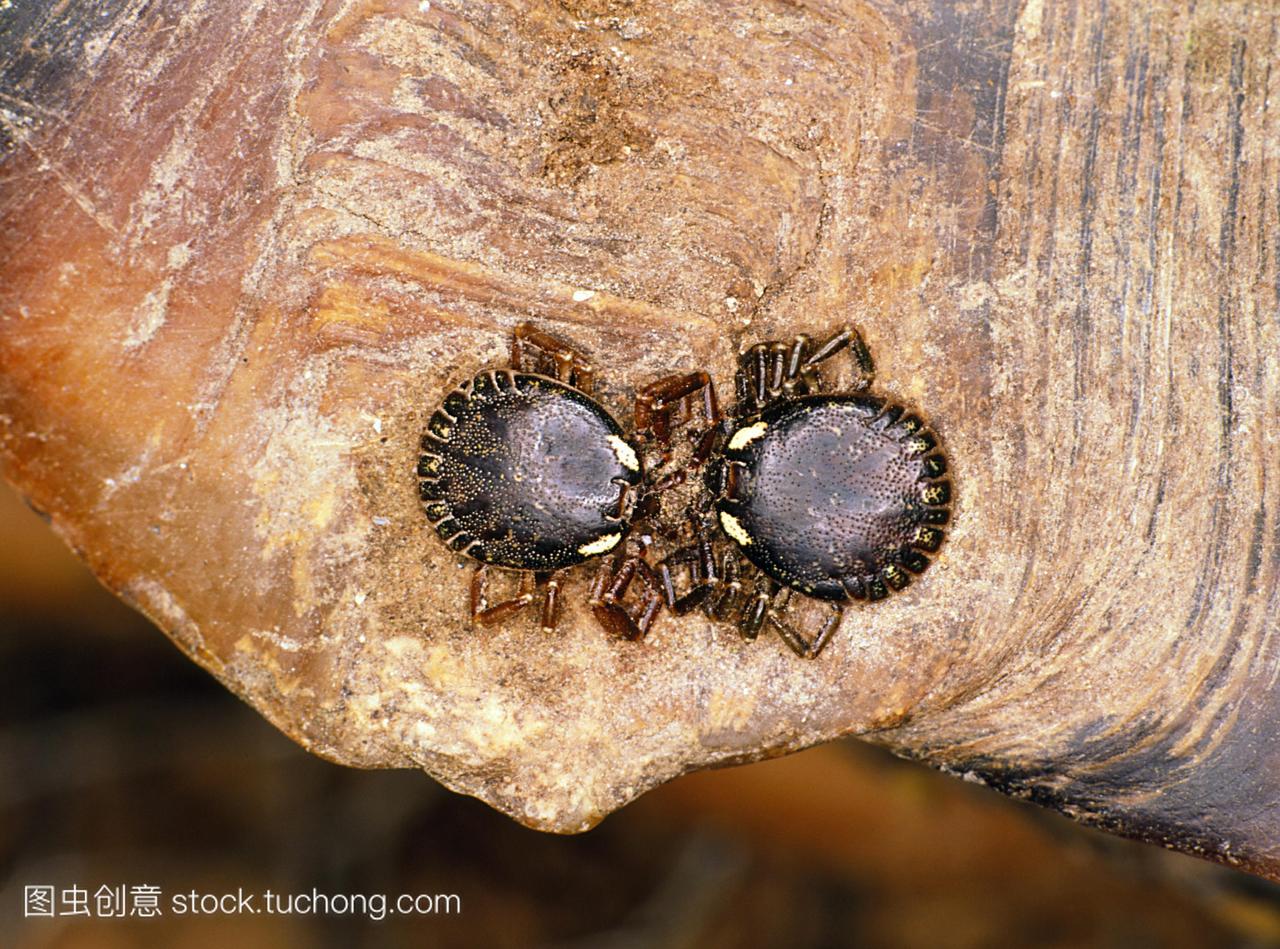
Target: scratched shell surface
[245, 248]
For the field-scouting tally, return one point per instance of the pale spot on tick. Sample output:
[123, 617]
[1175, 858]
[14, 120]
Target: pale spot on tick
[601, 546]
[745, 436]
[733, 527]
[625, 453]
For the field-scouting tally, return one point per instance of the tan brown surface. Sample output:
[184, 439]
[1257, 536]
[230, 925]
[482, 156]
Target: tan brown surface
[245, 250]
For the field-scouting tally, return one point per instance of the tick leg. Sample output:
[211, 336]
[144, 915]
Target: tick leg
[738, 599]
[848, 338]
[800, 645]
[487, 613]
[611, 585]
[753, 615]
[629, 498]
[744, 393]
[674, 402]
[766, 602]
[777, 367]
[726, 601]
[797, 358]
[752, 381]
[535, 351]
[686, 401]
[550, 602]
[769, 370]
[699, 559]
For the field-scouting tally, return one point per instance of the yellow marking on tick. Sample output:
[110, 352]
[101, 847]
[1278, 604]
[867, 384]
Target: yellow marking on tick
[600, 546]
[745, 436]
[733, 527]
[626, 454]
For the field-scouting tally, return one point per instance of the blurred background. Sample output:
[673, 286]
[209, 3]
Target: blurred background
[121, 763]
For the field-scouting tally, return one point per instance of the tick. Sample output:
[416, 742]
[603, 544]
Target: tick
[837, 496]
[522, 470]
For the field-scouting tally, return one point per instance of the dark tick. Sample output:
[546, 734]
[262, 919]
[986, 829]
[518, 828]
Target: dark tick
[839, 496]
[523, 470]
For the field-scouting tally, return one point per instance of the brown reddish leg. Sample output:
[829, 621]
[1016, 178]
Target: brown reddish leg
[488, 613]
[802, 646]
[729, 598]
[673, 402]
[771, 370]
[612, 583]
[662, 408]
[699, 561]
[550, 602]
[535, 351]
[750, 606]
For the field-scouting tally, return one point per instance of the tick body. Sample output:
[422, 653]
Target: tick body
[835, 496]
[524, 472]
